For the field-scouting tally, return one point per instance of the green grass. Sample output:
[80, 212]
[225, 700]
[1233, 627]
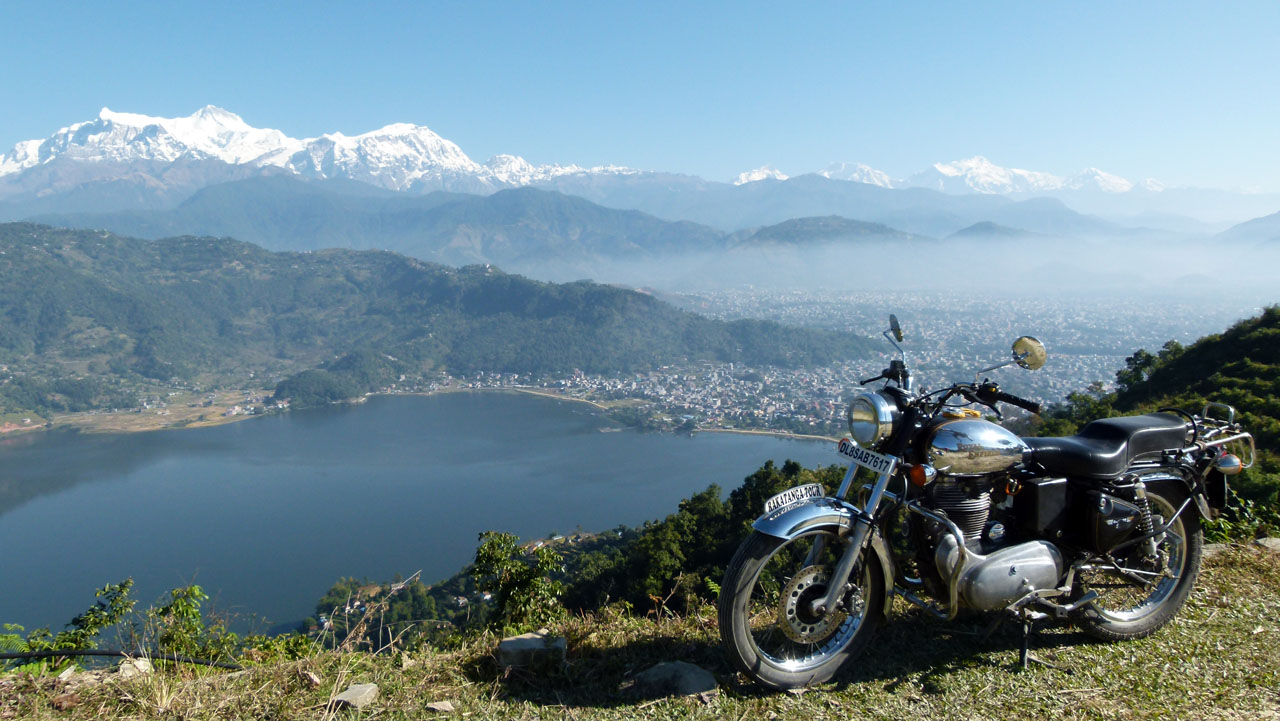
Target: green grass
[1218, 660]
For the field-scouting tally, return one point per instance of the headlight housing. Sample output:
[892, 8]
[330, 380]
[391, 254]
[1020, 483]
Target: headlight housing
[871, 418]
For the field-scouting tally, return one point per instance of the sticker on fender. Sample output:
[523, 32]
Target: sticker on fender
[791, 495]
[867, 459]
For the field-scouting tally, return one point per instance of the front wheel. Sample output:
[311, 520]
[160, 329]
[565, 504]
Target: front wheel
[766, 622]
[1144, 593]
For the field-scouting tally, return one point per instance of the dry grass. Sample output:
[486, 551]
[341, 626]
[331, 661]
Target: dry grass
[1218, 660]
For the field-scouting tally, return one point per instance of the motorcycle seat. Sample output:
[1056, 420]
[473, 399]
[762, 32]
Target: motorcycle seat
[1106, 447]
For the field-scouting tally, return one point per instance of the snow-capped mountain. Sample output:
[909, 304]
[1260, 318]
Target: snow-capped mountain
[401, 156]
[979, 175]
[209, 133]
[1094, 179]
[858, 173]
[764, 172]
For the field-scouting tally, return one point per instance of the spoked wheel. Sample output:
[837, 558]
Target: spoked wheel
[1146, 591]
[768, 623]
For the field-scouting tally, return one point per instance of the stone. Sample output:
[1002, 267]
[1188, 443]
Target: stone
[357, 696]
[538, 648]
[440, 706]
[1271, 544]
[309, 679]
[675, 678]
[86, 679]
[1214, 549]
[131, 667]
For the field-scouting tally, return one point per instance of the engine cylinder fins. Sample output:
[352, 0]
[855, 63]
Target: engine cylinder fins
[967, 509]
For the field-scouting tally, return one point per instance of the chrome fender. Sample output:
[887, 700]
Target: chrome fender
[813, 514]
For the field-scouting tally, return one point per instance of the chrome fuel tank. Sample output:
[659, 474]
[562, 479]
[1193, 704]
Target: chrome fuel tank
[972, 447]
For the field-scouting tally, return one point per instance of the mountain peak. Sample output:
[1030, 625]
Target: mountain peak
[1094, 179]
[858, 173]
[764, 172]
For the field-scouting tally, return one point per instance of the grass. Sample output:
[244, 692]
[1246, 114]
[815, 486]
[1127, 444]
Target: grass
[1218, 660]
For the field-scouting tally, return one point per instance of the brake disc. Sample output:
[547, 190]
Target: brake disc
[798, 622]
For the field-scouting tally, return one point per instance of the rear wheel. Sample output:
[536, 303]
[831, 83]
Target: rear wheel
[1145, 592]
[767, 622]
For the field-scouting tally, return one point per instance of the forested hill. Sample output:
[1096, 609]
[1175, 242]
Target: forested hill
[1240, 367]
[82, 303]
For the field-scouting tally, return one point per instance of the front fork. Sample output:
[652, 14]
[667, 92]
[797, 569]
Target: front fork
[838, 584]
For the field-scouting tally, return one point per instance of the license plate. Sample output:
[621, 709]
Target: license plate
[791, 495]
[851, 451]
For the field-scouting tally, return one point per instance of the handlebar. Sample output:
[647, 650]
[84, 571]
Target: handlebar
[990, 394]
[1019, 402]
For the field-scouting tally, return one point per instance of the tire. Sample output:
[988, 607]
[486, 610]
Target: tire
[778, 644]
[1127, 610]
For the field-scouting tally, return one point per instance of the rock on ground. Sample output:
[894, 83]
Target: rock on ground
[1271, 544]
[131, 667]
[675, 678]
[539, 648]
[358, 696]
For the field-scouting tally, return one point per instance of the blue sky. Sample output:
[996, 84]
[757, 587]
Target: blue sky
[1187, 93]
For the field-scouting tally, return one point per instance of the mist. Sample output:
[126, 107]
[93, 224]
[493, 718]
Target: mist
[982, 264]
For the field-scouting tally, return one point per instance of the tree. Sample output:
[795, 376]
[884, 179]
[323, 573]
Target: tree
[524, 594]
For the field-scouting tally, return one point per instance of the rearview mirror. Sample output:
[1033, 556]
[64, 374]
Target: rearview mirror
[1029, 353]
[895, 328]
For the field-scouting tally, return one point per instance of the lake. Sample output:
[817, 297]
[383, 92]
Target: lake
[265, 514]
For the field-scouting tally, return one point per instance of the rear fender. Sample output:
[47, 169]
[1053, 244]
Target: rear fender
[1181, 487]
[827, 514]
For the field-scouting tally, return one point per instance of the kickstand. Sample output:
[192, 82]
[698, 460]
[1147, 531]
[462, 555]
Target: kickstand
[1024, 655]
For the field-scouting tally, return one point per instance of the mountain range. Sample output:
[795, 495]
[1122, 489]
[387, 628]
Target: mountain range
[126, 161]
[555, 236]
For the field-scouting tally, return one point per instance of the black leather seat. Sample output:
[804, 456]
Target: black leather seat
[1105, 448]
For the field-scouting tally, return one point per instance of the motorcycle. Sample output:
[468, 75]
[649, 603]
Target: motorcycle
[1101, 528]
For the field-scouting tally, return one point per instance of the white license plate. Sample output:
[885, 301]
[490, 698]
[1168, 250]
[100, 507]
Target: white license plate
[791, 495]
[877, 462]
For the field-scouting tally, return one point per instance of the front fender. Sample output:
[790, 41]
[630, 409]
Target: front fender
[814, 514]
[803, 516]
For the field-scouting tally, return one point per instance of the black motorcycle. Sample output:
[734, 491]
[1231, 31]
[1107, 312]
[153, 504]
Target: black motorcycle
[1102, 527]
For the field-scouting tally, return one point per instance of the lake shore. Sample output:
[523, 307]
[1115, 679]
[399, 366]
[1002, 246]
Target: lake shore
[191, 411]
[764, 432]
[182, 414]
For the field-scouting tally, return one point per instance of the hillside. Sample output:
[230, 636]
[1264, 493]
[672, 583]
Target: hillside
[82, 306]
[1240, 367]
[1216, 661]
[1264, 231]
[825, 230]
[993, 231]
[518, 229]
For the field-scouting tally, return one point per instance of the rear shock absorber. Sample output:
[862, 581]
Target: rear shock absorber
[1146, 524]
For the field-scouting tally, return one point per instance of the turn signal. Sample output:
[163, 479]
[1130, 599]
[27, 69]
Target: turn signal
[1228, 464]
[921, 474]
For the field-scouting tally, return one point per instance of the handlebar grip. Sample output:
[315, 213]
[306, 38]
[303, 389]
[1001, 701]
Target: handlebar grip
[1019, 402]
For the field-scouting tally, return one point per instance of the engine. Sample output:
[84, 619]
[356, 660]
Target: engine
[993, 581]
[967, 504]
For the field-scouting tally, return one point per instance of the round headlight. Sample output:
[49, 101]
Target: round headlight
[871, 418]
